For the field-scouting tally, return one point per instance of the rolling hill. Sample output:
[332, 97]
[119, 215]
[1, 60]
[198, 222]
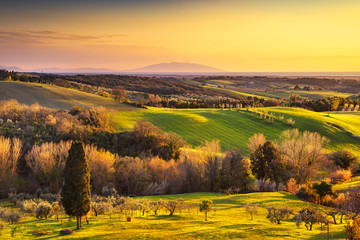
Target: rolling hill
[56, 97]
[232, 128]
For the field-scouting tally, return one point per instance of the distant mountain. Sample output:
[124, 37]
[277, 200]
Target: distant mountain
[175, 67]
[12, 68]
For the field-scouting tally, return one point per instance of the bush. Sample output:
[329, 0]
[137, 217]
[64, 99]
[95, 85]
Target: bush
[28, 206]
[263, 185]
[307, 194]
[12, 216]
[292, 187]
[340, 176]
[290, 121]
[43, 210]
[352, 230]
[345, 160]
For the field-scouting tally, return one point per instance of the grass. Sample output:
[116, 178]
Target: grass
[233, 128]
[344, 187]
[56, 97]
[312, 95]
[230, 221]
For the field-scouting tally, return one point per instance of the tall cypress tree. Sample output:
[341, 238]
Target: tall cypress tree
[75, 193]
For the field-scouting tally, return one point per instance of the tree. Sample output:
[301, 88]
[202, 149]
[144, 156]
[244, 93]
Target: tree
[275, 215]
[10, 152]
[75, 194]
[206, 206]
[307, 216]
[345, 160]
[302, 153]
[119, 93]
[322, 190]
[257, 140]
[251, 209]
[266, 163]
[236, 172]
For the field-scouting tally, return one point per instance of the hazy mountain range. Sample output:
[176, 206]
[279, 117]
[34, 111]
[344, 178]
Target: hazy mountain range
[173, 67]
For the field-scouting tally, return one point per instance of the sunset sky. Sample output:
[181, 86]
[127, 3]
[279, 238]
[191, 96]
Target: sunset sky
[233, 35]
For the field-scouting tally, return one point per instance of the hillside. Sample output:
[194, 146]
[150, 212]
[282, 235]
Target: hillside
[229, 221]
[233, 128]
[56, 97]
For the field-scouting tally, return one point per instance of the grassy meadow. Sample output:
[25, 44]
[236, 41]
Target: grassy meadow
[56, 97]
[234, 128]
[230, 220]
[231, 128]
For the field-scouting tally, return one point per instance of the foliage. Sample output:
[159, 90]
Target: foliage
[345, 160]
[206, 206]
[43, 210]
[303, 153]
[75, 194]
[236, 172]
[266, 163]
[340, 176]
[322, 190]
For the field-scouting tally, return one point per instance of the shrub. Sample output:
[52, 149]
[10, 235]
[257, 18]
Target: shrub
[292, 187]
[28, 206]
[251, 209]
[12, 216]
[340, 176]
[322, 190]
[307, 194]
[345, 160]
[275, 215]
[352, 230]
[263, 185]
[290, 121]
[43, 210]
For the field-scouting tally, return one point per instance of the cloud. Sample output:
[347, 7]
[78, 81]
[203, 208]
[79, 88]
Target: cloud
[49, 36]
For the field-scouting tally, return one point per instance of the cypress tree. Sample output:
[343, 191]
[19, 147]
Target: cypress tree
[75, 193]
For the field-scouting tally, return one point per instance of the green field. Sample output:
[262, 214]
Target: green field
[56, 97]
[311, 95]
[233, 128]
[230, 221]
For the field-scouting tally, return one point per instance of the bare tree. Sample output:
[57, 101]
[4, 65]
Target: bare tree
[303, 153]
[258, 139]
[275, 215]
[252, 209]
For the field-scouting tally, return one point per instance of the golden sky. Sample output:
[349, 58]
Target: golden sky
[233, 35]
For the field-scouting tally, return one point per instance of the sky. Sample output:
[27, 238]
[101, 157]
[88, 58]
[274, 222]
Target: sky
[232, 35]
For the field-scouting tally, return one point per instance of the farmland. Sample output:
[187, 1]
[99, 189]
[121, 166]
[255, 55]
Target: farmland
[229, 221]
